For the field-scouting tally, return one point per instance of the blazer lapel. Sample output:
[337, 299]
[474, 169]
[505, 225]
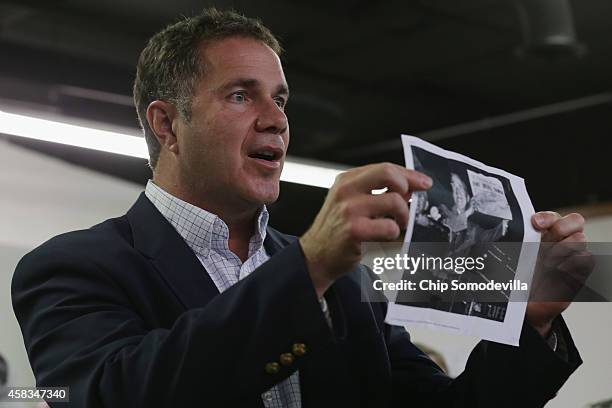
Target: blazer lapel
[155, 238]
[275, 241]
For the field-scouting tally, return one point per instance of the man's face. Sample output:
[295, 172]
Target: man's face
[233, 149]
[459, 193]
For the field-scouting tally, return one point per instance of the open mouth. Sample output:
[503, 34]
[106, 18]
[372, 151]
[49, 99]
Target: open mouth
[267, 154]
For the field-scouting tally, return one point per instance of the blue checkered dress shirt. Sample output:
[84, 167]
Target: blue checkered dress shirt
[207, 235]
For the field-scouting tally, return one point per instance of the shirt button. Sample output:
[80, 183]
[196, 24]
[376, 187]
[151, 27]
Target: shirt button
[267, 396]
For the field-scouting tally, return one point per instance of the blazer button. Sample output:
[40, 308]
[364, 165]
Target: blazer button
[272, 368]
[286, 359]
[299, 349]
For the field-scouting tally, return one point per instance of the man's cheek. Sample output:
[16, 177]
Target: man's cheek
[233, 108]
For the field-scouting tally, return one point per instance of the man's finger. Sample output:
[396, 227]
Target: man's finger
[558, 251]
[379, 229]
[393, 177]
[564, 227]
[579, 266]
[564, 281]
[390, 205]
[544, 219]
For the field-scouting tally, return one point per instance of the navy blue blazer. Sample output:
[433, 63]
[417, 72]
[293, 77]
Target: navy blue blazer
[126, 316]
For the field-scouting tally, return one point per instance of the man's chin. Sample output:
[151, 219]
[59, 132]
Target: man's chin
[270, 199]
[264, 196]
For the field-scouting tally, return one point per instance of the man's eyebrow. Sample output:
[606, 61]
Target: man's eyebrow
[281, 89]
[240, 82]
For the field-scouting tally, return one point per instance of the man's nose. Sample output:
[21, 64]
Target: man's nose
[271, 118]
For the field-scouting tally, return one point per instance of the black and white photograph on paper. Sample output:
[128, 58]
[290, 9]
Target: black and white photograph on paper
[473, 211]
[467, 212]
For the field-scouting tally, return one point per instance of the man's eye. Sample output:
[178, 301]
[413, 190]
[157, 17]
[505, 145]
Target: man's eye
[281, 102]
[238, 97]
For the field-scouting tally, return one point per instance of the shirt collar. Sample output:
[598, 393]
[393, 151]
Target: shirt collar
[201, 230]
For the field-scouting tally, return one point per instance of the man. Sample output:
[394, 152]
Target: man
[463, 232]
[191, 300]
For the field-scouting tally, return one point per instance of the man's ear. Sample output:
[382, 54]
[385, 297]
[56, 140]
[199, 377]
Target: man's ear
[161, 117]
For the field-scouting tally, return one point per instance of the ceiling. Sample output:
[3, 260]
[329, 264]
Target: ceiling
[463, 74]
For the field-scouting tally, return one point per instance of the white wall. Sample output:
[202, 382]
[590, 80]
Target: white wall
[41, 197]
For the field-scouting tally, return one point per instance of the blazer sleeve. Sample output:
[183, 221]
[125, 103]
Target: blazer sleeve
[81, 331]
[496, 375]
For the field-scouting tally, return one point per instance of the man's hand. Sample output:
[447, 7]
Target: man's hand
[562, 267]
[351, 214]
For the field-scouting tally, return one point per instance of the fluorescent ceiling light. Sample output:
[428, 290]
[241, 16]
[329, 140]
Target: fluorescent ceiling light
[294, 171]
